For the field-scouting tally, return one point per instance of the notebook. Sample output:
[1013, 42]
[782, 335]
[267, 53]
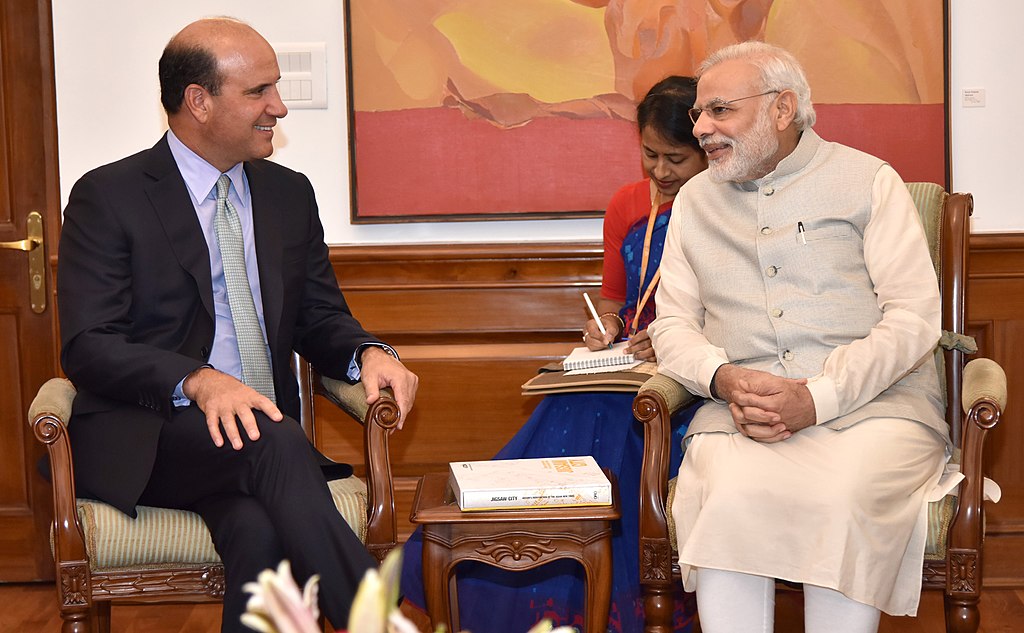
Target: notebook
[584, 360]
[627, 381]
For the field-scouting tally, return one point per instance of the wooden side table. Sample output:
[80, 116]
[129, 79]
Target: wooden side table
[513, 540]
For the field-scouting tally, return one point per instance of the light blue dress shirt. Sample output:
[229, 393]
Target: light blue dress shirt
[201, 181]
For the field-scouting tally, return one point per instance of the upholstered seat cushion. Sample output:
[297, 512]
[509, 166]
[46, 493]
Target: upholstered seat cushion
[160, 536]
[940, 516]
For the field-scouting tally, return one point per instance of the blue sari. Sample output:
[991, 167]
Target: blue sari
[599, 424]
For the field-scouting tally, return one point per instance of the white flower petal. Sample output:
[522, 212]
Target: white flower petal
[398, 623]
[258, 623]
[277, 606]
[391, 575]
[544, 626]
[369, 613]
[309, 595]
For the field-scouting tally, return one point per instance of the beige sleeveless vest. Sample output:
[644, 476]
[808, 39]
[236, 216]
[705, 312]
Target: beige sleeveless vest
[777, 304]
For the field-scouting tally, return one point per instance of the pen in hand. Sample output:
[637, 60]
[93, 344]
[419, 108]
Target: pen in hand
[593, 312]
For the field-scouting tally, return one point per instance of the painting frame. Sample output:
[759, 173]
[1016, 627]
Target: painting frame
[374, 182]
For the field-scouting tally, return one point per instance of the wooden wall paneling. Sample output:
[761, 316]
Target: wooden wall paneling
[474, 322]
[995, 310]
[467, 408]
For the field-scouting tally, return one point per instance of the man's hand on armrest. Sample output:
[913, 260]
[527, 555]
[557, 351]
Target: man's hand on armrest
[379, 369]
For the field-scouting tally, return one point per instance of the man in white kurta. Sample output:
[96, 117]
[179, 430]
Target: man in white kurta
[798, 294]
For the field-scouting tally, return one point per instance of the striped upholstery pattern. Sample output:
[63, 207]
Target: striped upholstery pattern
[940, 516]
[160, 536]
[929, 199]
[351, 499]
[114, 540]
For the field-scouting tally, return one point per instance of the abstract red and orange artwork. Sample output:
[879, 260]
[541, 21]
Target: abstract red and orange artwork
[499, 109]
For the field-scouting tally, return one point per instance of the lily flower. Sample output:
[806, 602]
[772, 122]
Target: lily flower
[277, 606]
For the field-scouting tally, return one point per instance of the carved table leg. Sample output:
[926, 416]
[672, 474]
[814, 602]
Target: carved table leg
[597, 561]
[438, 581]
[451, 598]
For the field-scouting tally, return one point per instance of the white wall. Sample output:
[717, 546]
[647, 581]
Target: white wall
[987, 52]
[106, 53]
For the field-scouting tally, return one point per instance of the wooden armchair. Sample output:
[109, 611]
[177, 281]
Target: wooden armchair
[164, 555]
[975, 398]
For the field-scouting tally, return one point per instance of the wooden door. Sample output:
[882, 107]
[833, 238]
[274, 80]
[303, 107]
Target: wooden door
[28, 183]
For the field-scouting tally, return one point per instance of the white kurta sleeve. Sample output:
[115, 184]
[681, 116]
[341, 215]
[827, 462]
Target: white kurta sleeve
[898, 261]
[677, 332]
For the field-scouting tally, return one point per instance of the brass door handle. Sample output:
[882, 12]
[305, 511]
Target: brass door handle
[20, 245]
[32, 245]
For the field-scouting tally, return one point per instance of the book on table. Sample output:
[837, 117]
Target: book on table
[542, 482]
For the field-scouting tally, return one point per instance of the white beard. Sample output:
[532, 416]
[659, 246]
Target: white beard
[751, 153]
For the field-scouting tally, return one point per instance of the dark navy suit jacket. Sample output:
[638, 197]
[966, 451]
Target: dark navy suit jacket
[136, 311]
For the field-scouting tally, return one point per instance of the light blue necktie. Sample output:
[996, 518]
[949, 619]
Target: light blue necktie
[251, 346]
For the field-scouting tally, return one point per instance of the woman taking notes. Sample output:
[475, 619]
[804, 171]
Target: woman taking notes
[597, 423]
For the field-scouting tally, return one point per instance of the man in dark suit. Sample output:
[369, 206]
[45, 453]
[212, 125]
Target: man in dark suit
[170, 410]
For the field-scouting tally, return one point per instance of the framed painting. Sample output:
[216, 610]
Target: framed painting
[491, 109]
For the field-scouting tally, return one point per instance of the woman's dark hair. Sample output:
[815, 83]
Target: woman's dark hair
[666, 107]
[183, 65]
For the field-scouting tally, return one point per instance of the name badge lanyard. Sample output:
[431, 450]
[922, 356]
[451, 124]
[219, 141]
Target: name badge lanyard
[642, 297]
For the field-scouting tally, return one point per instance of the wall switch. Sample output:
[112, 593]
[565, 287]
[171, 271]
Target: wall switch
[973, 97]
[303, 74]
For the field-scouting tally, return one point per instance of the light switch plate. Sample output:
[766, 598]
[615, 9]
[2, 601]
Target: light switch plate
[303, 74]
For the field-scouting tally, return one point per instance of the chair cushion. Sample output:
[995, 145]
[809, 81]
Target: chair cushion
[160, 536]
[940, 516]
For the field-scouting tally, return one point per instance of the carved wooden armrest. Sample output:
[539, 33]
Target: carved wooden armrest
[657, 400]
[984, 379]
[674, 394]
[49, 414]
[983, 397]
[378, 420]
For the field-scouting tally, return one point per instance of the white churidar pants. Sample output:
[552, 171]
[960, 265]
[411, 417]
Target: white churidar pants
[843, 510]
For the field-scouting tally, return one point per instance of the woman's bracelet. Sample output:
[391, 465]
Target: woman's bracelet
[622, 324]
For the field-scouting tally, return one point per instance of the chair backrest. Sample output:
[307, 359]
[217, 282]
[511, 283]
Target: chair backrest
[946, 221]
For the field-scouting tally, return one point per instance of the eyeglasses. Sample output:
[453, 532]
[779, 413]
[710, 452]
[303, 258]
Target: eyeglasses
[719, 110]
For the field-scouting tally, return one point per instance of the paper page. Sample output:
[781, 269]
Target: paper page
[603, 370]
[614, 357]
